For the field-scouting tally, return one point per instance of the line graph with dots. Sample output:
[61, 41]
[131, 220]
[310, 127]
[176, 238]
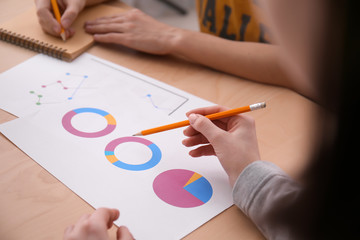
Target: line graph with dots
[70, 83]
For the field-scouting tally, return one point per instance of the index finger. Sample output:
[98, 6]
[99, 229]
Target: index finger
[207, 110]
[105, 215]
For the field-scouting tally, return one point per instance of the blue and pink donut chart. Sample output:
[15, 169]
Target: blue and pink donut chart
[66, 122]
[154, 160]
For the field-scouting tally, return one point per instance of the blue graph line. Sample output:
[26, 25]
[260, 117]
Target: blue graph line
[150, 97]
[78, 87]
[152, 101]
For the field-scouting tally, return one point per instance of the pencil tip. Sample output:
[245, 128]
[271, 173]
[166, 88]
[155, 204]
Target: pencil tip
[63, 36]
[137, 134]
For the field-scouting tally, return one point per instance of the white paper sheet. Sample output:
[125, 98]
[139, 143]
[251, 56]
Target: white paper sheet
[81, 135]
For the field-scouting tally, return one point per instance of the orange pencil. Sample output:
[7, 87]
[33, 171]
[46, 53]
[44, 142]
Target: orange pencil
[58, 18]
[213, 116]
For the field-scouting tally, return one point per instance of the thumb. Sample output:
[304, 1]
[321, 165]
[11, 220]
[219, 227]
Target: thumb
[204, 126]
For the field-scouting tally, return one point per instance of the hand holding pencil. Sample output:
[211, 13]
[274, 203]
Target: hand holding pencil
[232, 139]
[220, 132]
[55, 23]
[213, 116]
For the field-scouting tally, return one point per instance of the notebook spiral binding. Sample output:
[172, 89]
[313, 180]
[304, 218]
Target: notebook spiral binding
[32, 44]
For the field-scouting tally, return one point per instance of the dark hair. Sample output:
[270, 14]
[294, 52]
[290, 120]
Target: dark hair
[327, 206]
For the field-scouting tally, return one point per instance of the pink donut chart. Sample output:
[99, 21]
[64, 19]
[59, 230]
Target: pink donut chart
[66, 122]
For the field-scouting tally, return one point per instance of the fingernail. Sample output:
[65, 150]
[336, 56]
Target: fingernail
[192, 118]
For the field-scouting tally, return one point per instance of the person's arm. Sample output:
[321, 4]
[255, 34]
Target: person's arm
[261, 187]
[254, 61]
[251, 60]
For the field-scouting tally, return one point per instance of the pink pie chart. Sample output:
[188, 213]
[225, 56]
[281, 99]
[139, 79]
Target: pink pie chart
[182, 188]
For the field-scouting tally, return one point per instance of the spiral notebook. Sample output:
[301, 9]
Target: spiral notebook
[25, 31]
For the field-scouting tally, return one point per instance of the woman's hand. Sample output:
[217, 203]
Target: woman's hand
[136, 30]
[94, 226]
[233, 139]
[70, 10]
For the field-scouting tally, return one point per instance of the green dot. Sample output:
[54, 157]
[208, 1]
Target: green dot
[38, 103]
[40, 96]
[32, 92]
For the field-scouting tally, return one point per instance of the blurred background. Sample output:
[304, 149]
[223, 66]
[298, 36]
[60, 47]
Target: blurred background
[180, 14]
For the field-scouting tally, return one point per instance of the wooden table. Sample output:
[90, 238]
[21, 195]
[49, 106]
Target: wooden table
[35, 205]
